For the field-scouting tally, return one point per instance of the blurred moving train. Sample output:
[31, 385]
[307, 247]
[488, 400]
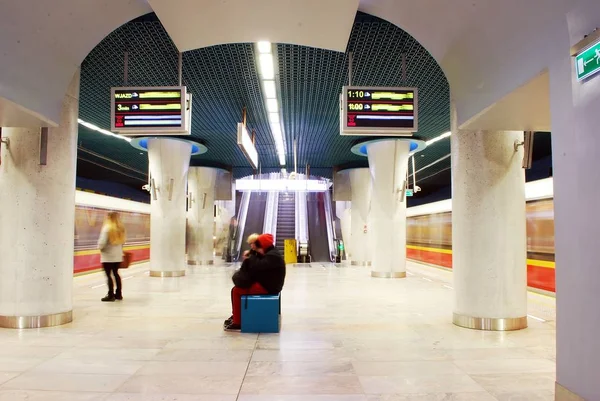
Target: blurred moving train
[90, 211]
[429, 234]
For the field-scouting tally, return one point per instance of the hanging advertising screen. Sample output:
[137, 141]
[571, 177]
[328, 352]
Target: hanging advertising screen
[150, 110]
[378, 111]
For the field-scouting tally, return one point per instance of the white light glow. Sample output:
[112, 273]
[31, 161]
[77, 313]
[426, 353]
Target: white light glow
[272, 105]
[264, 47]
[539, 319]
[102, 131]
[270, 91]
[438, 138]
[267, 75]
[282, 185]
[274, 118]
[266, 66]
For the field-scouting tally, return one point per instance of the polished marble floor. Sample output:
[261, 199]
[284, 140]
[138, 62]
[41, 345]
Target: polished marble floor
[345, 337]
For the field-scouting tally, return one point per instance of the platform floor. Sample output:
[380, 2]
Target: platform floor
[345, 337]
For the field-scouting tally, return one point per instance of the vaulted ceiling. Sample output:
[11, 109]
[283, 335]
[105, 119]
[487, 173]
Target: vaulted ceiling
[224, 79]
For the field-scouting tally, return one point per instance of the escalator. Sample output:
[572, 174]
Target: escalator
[286, 219]
[318, 236]
[255, 218]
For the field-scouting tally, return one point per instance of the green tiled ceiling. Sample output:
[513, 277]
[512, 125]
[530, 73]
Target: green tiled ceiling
[224, 79]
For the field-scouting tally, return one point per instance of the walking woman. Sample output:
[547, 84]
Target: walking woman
[112, 238]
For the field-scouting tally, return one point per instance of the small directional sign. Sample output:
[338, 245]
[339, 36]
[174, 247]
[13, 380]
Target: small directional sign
[587, 63]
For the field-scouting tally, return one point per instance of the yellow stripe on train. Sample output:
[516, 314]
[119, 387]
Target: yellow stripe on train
[96, 251]
[531, 262]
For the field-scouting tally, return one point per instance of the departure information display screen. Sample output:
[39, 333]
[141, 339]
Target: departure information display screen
[149, 110]
[379, 111]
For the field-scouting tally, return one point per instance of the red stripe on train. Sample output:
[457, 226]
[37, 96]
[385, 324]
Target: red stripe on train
[85, 263]
[539, 277]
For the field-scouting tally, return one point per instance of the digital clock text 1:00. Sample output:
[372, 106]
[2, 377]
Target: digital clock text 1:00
[356, 106]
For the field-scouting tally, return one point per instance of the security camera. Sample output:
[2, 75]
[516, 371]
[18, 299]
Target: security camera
[146, 187]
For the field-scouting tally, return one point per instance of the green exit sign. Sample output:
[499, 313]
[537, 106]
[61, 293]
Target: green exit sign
[409, 192]
[587, 63]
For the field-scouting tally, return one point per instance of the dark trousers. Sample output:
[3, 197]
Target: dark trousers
[114, 268]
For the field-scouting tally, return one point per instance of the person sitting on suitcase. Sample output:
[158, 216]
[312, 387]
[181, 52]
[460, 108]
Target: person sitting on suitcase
[267, 274]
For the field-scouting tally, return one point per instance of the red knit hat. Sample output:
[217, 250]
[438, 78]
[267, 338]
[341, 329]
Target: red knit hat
[265, 241]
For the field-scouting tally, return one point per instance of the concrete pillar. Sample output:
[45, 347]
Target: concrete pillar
[489, 245]
[575, 144]
[360, 184]
[388, 163]
[169, 160]
[200, 215]
[37, 216]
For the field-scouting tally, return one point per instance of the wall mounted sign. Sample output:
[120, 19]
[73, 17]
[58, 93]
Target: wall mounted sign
[246, 145]
[587, 63]
[378, 111]
[151, 110]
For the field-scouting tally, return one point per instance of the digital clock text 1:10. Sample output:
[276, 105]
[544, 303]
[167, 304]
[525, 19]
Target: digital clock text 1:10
[353, 94]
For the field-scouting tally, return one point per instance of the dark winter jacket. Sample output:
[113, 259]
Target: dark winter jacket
[269, 271]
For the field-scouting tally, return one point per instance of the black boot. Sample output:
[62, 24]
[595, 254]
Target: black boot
[118, 296]
[109, 297]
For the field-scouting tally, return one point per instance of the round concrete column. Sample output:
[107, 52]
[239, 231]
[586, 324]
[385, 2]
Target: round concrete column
[388, 163]
[169, 161]
[489, 255]
[360, 184]
[200, 216]
[37, 204]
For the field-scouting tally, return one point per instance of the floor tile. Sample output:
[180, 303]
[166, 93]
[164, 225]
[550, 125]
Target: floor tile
[6, 376]
[457, 383]
[65, 382]
[178, 384]
[37, 395]
[204, 355]
[18, 364]
[407, 369]
[319, 368]
[167, 397]
[106, 366]
[479, 396]
[297, 385]
[507, 383]
[305, 397]
[236, 369]
[531, 365]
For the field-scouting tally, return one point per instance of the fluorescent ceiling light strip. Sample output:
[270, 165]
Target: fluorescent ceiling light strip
[264, 47]
[274, 118]
[102, 131]
[272, 105]
[438, 138]
[266, 66]
[267, 71]
[270, 91]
